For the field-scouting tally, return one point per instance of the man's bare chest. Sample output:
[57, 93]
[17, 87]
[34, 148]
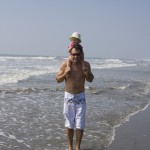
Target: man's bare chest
[77, 73]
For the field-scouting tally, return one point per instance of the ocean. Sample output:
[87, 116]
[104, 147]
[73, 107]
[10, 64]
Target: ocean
[31, 101]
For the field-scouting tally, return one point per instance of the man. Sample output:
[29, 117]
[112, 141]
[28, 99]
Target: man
[74, 101]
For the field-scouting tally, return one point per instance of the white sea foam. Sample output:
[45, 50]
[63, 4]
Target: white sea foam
[110, 63]
[14, 69]
[113, 60]
[25, 58]
[122, 87]
[14, 77]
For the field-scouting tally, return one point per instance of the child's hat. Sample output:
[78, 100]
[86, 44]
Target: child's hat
[75, 35]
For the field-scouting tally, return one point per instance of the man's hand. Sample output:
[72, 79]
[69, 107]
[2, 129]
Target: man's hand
[84, 69]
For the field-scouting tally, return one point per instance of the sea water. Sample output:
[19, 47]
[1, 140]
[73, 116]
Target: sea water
[31, 101]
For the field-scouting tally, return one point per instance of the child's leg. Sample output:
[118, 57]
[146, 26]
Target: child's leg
[68, 64]
[69, 61]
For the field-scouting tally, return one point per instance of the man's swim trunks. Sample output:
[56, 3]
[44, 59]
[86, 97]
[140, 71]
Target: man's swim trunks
[74, 110]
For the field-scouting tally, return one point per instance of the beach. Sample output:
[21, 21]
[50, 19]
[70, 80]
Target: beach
[32, 103]
[134, 134]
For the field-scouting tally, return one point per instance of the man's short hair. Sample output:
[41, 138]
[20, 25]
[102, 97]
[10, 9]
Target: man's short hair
[77, 47]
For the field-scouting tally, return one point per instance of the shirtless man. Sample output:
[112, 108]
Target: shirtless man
[74, 100]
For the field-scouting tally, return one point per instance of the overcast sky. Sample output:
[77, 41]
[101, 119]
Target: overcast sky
[108, 28]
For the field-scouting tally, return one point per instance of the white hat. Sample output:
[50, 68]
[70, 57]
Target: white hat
[75, 35]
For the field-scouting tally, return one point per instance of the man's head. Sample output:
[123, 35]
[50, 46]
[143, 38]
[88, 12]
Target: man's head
[76, 53]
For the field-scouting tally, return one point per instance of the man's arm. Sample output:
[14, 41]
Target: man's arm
[63, 72]
[87, 71]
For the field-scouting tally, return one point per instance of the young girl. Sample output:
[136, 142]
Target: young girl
[75, 39]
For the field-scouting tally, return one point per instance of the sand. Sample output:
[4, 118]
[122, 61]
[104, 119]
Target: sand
[134, 134]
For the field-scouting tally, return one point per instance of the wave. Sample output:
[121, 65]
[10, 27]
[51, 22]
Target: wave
[108, 66]
[16, 76]
[89, 89]
[3, 58]
[110, 63]
[17, 68]
[30, 90]
[134, 89]
[100, 90]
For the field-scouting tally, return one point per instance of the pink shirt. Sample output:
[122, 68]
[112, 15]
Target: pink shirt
[72, 44]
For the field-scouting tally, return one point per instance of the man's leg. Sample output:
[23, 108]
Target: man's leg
[70, 133]
[79, 134]
[80, 119]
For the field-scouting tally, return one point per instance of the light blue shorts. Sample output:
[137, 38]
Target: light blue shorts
[74, 110]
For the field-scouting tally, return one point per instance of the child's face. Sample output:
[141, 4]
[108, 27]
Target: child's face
[76, 41]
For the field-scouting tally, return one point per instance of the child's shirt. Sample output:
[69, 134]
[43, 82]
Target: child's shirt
[71, 45]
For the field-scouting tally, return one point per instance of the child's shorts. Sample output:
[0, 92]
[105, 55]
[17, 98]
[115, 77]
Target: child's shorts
[74, 110]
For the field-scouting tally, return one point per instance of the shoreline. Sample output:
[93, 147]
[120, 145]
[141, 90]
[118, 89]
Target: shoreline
[134, 134]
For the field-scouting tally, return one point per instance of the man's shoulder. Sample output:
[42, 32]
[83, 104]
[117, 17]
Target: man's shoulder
[86, 61]
[64, 62]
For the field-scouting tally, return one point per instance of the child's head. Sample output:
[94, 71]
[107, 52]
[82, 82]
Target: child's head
[75, 37]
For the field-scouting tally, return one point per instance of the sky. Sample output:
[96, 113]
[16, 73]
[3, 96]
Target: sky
[108, 28]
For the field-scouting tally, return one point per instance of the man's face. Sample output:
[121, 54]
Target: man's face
[75, 55]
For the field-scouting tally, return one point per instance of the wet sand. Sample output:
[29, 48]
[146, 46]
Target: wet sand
[134, 134]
